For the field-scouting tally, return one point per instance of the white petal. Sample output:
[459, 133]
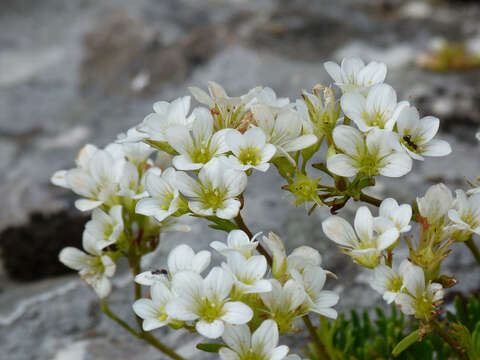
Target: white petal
[230, 209]
[414, 279]
[237, 337]
[340, 231]
[334, 71]
[218, 284]
[152, 324]
[187, 185]
[266, 336]
[279, 353]
[388, 238]
[397, 164]
[364, 224]
[227, 354]
[406, 303]
[87, 205]
[235, 181]
[236, 312]
[354, 107]
[437, 148]
[180, 309]
[342, 165]
[348, 139]
[59, 179]
[145, 308]
[428, 127]
[210, 330]
[300, 143]
[201, 261]
[180, 258]
[235, 141]
[74, 258]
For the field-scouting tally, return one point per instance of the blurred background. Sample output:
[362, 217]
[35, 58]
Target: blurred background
[82, 71]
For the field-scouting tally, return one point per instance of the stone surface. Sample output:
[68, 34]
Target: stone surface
[83, 71]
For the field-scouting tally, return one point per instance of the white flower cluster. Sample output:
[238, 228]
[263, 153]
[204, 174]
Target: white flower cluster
[237, 293]
[416, 285]
[390, 134]
[204, 157]
[112, 181]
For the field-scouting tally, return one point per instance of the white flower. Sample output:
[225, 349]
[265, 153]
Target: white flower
[96, 178]
[237, 240]
[152, 311]
[465, 215]
[94, 267]
[268, 97]
[388, 282]
[302, 257]
[435, 204]
[136, 153]
[228, 112]
[106, 228]
[205, 301]
[298, 259]
[370, 155]
[249, 149]
[279, 254]
[367, 248]
[131, 136]
[198, 145]
[248, 273]
[353, 75]
[418, 298]
[261, 345]
[415, 134]
[164, 198]
[165, 116]
[379, 110]
[181, 258]
[317, 300]
[283, 129]
[399, 215]
[215, 191]
[319, 113]
[283, 303]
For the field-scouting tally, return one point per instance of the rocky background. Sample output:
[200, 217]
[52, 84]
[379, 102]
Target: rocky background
[82, 71]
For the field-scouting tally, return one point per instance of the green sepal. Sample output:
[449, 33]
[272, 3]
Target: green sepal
[210, 347]
[162, 145]
[406, 342]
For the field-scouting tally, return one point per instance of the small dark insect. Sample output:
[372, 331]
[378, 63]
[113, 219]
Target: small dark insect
[159, 272]
[408, 140]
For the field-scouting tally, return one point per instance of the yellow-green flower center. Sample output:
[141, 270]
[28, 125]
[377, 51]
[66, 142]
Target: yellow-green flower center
[395, 284]
[250, 156]
[213, 198]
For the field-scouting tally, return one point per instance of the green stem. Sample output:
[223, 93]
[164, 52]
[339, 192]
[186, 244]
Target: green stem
[241, 224]
[134, 263]
[369, 199]
[437, 328]
[314, 336]
[474, 249]
[114, 317]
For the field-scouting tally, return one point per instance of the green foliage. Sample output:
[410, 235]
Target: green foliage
[219, 224]
[360, 338]
[466, 312]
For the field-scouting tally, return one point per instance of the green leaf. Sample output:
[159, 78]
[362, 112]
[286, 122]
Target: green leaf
[210, 347]
[219, 224]
[476, 339]
[406, 342]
